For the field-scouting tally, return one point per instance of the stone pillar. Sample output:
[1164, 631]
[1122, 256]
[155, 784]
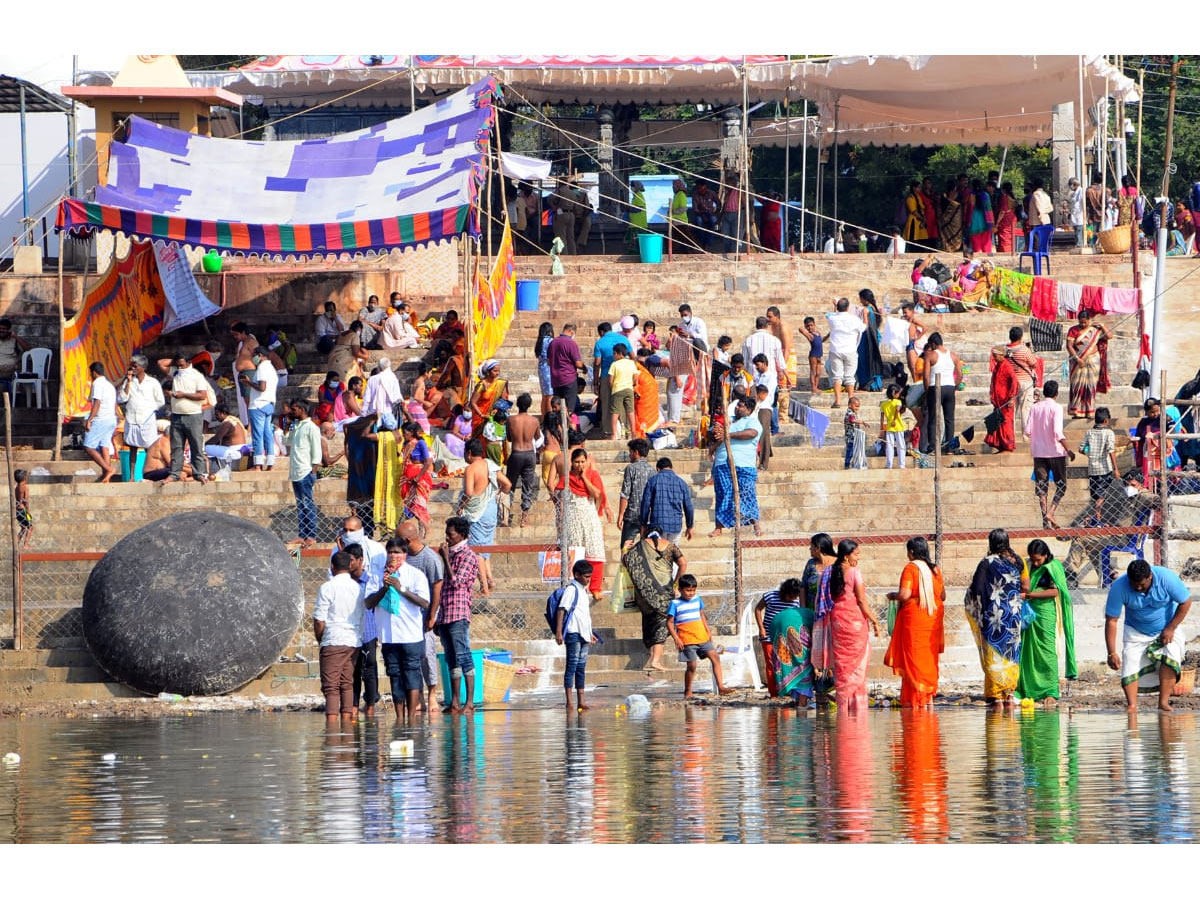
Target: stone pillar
[731, 139]
[612, 191]
[1064, 123]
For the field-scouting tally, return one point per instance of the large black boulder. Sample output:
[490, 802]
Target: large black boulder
[196, 604]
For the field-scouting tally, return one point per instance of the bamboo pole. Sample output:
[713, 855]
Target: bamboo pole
[565, 456]
[1141, 106]
[737, 506]
[56, 453]
[18, 605]
[1164, 556]
[804, 176]
[787, 161]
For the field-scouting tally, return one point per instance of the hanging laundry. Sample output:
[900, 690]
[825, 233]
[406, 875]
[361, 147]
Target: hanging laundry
[1092, 299]
[1012, 291]
[1069, 298]
[1043, 299]
[816, 422]
[895, 334]
[1120, 301]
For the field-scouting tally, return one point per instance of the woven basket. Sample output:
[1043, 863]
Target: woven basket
[497, 679]
[1186, 683]
[1115, 240]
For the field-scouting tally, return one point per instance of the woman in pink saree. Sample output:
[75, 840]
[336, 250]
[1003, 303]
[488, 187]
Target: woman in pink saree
[849, 621]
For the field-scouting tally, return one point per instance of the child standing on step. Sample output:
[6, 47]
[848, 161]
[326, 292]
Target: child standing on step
[891, 425]
[816, 350]
[689, 629]
[1100, 445]
[856, 436]
[24, 516]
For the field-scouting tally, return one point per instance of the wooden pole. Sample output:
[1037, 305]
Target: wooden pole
[1141, 106]
[936, 425]
[488, 201]
[1164, 558]
[787, 163]
[56, 452]
[565, 453]
[469, 295]
[746, 199]
[18, 610]
[737, 507]
[1161, 238]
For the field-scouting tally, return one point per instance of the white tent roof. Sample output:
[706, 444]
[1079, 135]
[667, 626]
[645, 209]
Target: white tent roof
[934, 100]
[913, 100]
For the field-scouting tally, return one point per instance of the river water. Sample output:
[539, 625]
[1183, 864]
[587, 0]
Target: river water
[675, 775]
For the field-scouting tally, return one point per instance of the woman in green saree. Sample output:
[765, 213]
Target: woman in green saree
[1050, 599]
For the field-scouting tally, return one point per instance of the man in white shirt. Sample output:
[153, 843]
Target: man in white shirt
[143, 397]
[303, 443]
[845, 330]
[573, 627]
[337, 626]
[188, 394]
[694, 328]
[397, 332]
[763, 342]
[399, 607]
[329, 326]
[101, 422]
[1075, 208]
[367, 562]
[263, 385]
[382, 393]
[1040, 204]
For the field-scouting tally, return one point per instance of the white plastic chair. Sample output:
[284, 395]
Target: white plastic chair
[34, 373]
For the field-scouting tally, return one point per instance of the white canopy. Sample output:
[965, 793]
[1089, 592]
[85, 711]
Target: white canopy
[911, 100]
[935, 100]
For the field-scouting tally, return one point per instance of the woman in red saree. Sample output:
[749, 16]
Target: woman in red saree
[771, 229]
[849, 621]
[1004, 391]
[646, 411]
[582, 505]
[918, 638]
[416, 464]
[1087, 346]
[1006, 218]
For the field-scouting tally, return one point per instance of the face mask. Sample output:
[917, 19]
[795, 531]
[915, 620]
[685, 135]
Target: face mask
[353, 537]
[215, 354]
[467, 416]
[1131, 491]
[686, 319]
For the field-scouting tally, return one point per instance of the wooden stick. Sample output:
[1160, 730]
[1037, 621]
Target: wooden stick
[18, 605]
[1163, 453]
[56, 453]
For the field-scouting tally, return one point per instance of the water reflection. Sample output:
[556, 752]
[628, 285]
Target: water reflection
[678, 775]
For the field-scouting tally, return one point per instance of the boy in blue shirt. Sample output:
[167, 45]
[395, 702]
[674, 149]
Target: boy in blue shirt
[689, 628]
[1155, 602]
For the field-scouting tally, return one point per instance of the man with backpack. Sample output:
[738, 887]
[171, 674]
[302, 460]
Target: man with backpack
[568, 613]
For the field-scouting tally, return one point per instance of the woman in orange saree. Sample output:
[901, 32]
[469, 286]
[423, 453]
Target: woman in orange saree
[490, 389]
[849, 622]
[646, 411]
[918, 638]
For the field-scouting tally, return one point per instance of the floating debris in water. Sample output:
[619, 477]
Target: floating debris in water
[401, 749]
[109, 757]
[12, 759]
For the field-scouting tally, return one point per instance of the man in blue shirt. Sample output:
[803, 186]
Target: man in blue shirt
[744, 433]
[1155, 602]
[667, 504]
[602, 357]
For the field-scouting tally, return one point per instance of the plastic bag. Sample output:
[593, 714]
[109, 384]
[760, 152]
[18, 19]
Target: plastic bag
[893, 610]
[622, 591]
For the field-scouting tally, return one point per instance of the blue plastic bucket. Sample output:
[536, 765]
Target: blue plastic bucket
[528, 293]
[650, 247]
[477, 658]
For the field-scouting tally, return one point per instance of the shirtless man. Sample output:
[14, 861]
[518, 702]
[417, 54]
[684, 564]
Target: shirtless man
[474, 508]
[228, 438]
[915, 331]
[523, 430]
[158, 459]
[246, 342]
[782, 332]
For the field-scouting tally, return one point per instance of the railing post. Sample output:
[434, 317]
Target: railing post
[1164, 557]
[936, 425]
[12, 525]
